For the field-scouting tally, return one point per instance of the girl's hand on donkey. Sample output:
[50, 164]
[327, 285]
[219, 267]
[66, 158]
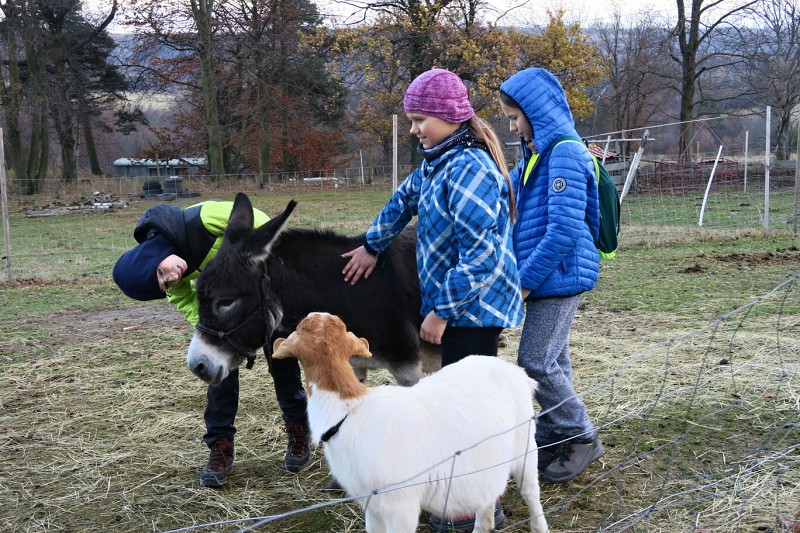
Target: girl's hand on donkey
[360, 263]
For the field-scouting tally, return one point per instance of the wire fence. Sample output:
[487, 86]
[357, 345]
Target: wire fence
[718, 431]
[665, 201]
[701, 429]
[724, 185]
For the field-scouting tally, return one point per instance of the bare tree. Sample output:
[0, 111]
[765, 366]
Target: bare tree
[406, 37]
[176, 46]
[773, 65]
[698, 50]
[389, 43]
[290, 101]
[204, 19]
[25, 92]
[635, 88]
[54, 58]
[11, 90]
[274, 105]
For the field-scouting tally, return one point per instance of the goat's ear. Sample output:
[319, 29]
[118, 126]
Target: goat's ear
[276, 348]
[240, 223]
[358, 346]
[260, 242]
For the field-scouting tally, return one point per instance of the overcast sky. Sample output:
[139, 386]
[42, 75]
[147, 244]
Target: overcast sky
[522, 12]
[519, 12]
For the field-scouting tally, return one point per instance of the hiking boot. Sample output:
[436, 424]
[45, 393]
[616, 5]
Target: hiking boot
[572, 459]
[298, 452]
[545, 454]
[220, 463]
[465, 523]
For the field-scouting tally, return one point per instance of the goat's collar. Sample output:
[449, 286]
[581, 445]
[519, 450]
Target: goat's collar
[333, 430]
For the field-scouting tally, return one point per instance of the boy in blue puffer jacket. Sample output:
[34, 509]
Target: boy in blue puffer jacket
[558, 214]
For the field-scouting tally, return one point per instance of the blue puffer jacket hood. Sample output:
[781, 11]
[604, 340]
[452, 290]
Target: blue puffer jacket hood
[540, 96]
[557, 206]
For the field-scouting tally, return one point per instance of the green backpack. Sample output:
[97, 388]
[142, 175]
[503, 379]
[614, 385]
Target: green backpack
[606, 239]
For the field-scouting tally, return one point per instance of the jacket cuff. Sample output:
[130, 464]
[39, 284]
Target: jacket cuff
[370, 250]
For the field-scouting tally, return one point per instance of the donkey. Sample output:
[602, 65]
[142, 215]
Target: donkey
[264, 281]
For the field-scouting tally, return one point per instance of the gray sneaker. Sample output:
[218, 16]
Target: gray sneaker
[220, 463]
[572, 459]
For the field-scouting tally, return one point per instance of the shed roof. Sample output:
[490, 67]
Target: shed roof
[597, 151]
[141, 162]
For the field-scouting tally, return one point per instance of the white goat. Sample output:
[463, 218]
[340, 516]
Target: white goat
[446, 445]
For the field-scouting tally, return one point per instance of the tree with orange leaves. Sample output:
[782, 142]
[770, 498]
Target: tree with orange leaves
[404, 39]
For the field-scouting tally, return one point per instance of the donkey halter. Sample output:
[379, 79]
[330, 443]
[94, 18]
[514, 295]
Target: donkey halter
[241, 350]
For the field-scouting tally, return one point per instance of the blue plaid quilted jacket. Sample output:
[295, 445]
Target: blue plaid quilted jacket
[465, 260]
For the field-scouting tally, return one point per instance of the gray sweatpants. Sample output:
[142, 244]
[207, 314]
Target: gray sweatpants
[544, 354]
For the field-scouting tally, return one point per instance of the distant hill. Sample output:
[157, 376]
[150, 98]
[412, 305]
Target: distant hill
[126, 44]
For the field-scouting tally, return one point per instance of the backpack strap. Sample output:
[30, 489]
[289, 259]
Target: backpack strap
[529, 167]
[568, 138]
[572, 138]
[535, 156]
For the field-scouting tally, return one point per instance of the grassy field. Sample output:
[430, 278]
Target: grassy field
[102, 422]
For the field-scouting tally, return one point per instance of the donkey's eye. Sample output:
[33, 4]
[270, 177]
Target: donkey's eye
[225, 305]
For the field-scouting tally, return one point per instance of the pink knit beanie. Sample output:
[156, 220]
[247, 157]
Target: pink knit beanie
[439, 93]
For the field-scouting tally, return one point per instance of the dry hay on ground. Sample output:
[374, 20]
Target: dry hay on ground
[102, 427]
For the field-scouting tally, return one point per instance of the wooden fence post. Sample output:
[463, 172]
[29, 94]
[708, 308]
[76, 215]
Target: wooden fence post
[4, 195]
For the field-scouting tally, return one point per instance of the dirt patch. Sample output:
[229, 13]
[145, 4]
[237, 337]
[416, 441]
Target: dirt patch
[32, 282]
[117, 325]
[146, 317]
[702, 263]
[781, 256]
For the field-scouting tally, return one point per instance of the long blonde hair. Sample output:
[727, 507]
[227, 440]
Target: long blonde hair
[484, 132]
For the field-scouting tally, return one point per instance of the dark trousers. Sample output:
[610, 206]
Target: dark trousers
[457, 343]
[223, 399]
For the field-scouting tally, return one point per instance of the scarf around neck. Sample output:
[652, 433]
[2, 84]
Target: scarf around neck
[463, 136]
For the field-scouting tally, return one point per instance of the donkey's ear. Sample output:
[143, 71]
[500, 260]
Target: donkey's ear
[260, 242]
[240, 223]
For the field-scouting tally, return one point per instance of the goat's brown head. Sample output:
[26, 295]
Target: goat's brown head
[324, 347]
[321, 335]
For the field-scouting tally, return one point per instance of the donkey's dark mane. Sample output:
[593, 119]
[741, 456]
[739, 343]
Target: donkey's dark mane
[297, 240]
[317, 235]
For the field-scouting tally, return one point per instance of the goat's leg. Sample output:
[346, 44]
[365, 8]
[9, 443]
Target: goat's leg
[527, 478]
[484, 520]
[374, 521]
[400, 519]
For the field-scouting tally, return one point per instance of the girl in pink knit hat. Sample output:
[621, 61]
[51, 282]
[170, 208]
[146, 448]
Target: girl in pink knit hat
[462, 196]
